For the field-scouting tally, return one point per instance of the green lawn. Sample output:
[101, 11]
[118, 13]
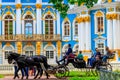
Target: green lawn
[1, 76]
[78, 75]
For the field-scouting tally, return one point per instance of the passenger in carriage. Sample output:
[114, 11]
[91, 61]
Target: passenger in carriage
[95, 57]
[67, 55]
[108, 54]
[79, 56]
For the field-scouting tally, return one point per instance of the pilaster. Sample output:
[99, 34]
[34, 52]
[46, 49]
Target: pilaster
[38, 16]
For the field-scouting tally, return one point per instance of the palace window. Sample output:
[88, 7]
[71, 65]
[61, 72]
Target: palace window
[50, 52]
[8, 27]
[101, 47]
[29, 53]
[76, 28]
[28, 26]
[49, 24]
[99, 24]
[66, 28]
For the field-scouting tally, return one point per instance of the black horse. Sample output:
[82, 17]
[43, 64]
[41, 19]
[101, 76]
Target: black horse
[39, 61]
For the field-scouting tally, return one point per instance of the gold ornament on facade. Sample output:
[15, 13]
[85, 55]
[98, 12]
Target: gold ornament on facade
[114, 16]
[29, 43]
[49, 43]
[8, 13]
[59, 48]
[48, 6]
[38, 6]
[0, 5]
[83, 12]
[28, 6]
[111, 9]
[38, 47]
[8, 44]
[99, 14]
[66, 19]
[109, 1]
[8, 7]
[48, 13]
[87, 19]
[28, 13]
[108, 16]
[18, 6]
[19, 47]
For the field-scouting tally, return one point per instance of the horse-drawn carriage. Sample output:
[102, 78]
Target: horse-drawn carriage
[61, 70]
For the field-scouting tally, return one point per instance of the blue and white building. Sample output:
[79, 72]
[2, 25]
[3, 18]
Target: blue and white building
[34, 27]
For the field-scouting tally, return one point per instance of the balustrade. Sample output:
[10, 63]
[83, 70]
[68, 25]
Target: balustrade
[34, 37]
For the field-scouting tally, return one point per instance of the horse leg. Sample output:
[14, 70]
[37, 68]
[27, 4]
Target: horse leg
[22, 71]
[16, 73]
[37, 73]
[44, 68]
[26, 73]
[41, 73]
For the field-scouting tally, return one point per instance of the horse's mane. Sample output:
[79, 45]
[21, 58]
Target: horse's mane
[14, 54]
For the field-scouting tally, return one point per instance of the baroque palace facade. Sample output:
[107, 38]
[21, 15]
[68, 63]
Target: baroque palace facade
[34, 27]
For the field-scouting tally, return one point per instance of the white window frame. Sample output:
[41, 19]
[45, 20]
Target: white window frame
[3, 23]
[54, 29]
[23, 23]
[96, 25]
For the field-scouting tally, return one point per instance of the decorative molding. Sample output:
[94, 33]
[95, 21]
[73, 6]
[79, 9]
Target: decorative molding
[18, 6]
[83, 19]
[99, 14]
[48, 6]
[59, 48]
[28, 6]
[38, 47]
[8, 13]
[112, 16]
[19, 47]
[7, 44]
[66, 19]
[109, 1]
[38, 6]
[49, 43]
[48, 13]
[28, 13]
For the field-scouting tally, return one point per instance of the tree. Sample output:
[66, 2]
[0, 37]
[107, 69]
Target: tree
[63, 7]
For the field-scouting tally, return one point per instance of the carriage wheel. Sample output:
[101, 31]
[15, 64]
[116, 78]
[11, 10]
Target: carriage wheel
[60, 72]
[108, 67]
[67, 71]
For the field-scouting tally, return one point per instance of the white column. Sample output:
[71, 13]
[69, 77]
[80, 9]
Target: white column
[58, 22]
[82, 35]
[18, 19]
[0, 20]
[119, 33]
[88, 36]
[38, 18]
[109, 34]
[79, 36]
[114, 34]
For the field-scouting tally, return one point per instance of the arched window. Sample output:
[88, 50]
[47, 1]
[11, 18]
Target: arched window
[49, 24]
[99, 22]
[76, 28]
[28, 26]
[66, 28]
[50, 52]
[8, 27]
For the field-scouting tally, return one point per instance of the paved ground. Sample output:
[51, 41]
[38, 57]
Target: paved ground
[31, 78]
